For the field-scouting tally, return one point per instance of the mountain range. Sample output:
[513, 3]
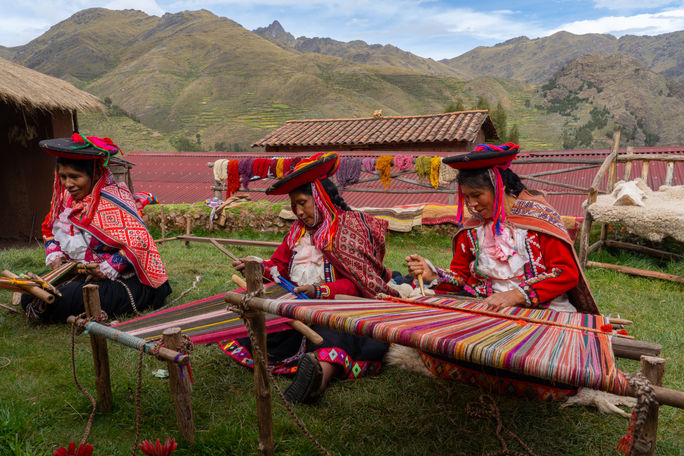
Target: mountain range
[199, 76]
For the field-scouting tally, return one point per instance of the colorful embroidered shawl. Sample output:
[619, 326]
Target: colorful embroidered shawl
[534, 213]
[109, 214]
[357, 251]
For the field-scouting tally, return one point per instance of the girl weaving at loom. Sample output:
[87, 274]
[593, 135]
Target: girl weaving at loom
[93, 220]
[330, 250]
[513, 251]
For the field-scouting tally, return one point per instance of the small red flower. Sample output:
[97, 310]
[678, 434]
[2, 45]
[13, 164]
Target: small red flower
[152, 449]
[623, 332]
[607, 328]
[83, 450]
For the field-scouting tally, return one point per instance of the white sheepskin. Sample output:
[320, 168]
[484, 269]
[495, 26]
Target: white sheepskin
[605, 402]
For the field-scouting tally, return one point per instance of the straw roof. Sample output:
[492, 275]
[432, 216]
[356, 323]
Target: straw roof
[33, 90]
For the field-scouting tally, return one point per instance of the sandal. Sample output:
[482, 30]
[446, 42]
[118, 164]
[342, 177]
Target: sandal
[307, 382]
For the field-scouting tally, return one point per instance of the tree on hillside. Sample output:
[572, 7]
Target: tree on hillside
[498, 116]
[513, 134]
[455, 107]
[482, 103]
[183, 144]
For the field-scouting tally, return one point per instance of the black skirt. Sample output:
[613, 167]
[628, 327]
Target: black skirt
[117, 297]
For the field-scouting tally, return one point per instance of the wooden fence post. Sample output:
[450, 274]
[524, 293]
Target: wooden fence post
[163, 224]
[91, 301]
[262, 387]
[181, 388]
[653, 368]
[187, 228]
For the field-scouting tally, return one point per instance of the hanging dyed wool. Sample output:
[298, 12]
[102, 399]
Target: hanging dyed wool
[233, 179]
[369, 164]
[447, 174]
[219, 169]
[434, 171]
[260, 167]
[245, 171]
[348, 172]
[287, 169]
[384, 167]
[279, 168]
[272, 167]
[403, 162]
[423, 166]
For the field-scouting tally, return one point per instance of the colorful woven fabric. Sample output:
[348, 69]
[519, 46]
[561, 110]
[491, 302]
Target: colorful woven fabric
[205, 321]
[560, 347]
[384, 167]
[435, 163]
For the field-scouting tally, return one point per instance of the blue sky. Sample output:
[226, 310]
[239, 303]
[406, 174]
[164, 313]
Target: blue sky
[429, 28]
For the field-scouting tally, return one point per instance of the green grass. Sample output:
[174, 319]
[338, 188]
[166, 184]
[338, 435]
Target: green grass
[397, 412]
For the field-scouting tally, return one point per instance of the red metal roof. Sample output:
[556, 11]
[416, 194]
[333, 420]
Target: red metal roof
[184, 177]
[460, 126]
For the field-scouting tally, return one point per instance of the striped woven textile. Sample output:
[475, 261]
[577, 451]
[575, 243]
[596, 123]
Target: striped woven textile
[205, 321]
[558, 346]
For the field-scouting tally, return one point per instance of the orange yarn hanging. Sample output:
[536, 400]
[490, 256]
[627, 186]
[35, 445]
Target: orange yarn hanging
[384, 167]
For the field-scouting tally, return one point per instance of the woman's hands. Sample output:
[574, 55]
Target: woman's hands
[502, 299]
[417, 266]
[56, 262]
[308, 290]
[239, 264]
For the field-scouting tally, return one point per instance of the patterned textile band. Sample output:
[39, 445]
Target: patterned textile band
[561, 347]
[204, 321]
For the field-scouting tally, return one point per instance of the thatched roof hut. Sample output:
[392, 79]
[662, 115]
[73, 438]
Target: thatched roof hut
[33, 106]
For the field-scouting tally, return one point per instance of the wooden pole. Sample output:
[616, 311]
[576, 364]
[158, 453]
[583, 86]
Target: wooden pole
[643, 249]
[644, 444]
[187, 229]
[637, 272]
[228, 241]
[181, 388]
[634, 349]
[103, 384]
[262, 388]
[163, 225]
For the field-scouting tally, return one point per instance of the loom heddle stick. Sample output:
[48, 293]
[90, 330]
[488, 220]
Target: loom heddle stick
[297, 325]
[223, 249]
[35, 289]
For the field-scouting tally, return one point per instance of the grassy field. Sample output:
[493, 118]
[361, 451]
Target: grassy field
[395, 413]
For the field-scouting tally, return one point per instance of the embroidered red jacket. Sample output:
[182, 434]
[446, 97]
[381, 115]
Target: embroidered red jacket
[550, 272]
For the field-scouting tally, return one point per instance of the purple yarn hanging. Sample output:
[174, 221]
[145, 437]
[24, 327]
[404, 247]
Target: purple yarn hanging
[369, 164]
[245, 170]
[348, 172]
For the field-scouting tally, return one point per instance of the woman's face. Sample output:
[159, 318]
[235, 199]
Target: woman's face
[304, 208]
[76, 182]
[480, 200]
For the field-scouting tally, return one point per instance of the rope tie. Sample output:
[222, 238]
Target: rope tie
[645, 395]
[241, 310]
[487, 408]
[130, 295]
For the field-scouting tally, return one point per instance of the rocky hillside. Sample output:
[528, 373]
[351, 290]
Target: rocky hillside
[537, 60]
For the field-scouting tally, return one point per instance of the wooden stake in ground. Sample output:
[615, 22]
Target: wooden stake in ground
[163, 224]
[181, 388]
[187, 229]
[653, 369]
[262, 388]
[91, 301]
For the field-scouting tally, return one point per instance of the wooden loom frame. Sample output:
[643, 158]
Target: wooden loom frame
[652, 367]
[609, 166]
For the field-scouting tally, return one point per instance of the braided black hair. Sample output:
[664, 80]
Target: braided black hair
[479, 178]
[331, 189]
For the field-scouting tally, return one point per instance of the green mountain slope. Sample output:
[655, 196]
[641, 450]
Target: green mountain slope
[194, 73]
[537, 60]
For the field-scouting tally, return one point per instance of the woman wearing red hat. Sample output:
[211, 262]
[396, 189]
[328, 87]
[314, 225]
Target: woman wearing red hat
[513, 250]
[93, 220]
[329, 250]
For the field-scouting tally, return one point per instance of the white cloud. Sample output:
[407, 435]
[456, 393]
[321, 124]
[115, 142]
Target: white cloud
[640, 24]
[629, 5]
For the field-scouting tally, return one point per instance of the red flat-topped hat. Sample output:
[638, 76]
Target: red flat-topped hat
[319, 166]
[484, 156]
[80, 147]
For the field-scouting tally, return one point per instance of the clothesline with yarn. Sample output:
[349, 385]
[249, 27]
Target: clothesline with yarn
[238, 173]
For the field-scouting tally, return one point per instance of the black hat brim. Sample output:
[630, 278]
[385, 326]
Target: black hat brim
[321, 168]
[66, 148]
